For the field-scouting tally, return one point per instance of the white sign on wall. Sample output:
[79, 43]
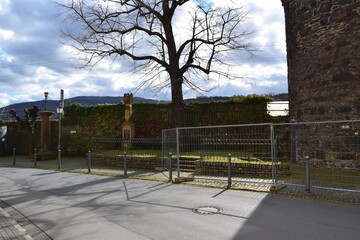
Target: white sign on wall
[278, 108]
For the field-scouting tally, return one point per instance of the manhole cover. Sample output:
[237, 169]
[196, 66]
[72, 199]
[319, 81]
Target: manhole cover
[207, 210]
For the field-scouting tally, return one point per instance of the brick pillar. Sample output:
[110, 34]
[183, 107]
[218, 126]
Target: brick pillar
[45, 131]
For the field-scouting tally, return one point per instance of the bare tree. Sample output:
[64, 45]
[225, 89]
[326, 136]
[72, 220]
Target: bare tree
[148, 32]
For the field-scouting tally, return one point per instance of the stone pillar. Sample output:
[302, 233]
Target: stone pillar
[323, 49]
[45, 136]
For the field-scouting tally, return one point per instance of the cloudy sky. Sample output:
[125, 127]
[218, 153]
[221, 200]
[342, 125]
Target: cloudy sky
[34, 58]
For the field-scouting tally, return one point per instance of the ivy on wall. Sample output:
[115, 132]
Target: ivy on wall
[149, 119]
[80, 123]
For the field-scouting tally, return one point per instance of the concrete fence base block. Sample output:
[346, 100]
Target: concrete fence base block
[275, 188]
[160, 169]
[183, 179]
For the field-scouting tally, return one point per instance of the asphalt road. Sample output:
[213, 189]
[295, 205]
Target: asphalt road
[76, 206]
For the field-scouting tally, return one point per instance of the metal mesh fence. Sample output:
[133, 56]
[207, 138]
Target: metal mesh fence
[313, 157]
[207, 154]
[270, 154]
[138, 157]
[332, 150]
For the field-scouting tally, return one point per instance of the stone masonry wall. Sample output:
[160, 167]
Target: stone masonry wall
[212, 168]
[132, 162]
[323, 47]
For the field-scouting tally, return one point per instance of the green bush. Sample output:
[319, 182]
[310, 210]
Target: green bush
[75, 140]
[2, 123]
[149, 119]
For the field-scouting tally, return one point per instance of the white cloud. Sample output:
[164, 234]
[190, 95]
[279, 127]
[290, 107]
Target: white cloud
[4, 6]
[6, 35]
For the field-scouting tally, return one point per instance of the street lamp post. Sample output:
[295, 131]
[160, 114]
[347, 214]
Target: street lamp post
[46, 104]
[60, 111]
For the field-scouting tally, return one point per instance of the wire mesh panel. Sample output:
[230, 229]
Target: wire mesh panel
[332, 149]
[205, 152]
[270, 154]
[138, 157]
[169, 150]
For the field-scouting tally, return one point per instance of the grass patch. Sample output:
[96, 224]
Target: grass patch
[239, 160]
[324, 176]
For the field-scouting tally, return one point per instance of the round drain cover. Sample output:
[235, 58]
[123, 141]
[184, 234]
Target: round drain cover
[207, 210]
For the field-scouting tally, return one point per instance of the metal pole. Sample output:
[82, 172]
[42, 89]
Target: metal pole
[307, 169]
[178, 152]
[61, 108]
[35, 164]
[89, 162]
[273, 159]
[14, 156]
[125, 164]
[59, 146]
[59, 157]
[170, 166]
[229, 170]
[162, 148]
[62, 97]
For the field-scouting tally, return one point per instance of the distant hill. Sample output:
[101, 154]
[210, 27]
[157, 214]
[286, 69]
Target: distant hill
[276, 97]
[83, 100]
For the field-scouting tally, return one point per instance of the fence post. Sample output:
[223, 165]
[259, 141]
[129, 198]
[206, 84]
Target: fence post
[35, 164]
[162, 148]
[170, 166]
[14, 156]
[229, 170]
[178, 152]
[307, 169]
[125, 164]
[89, 162]
[59, 157]
[273, 142]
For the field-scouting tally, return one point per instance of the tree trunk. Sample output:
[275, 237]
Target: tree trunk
[178, 105]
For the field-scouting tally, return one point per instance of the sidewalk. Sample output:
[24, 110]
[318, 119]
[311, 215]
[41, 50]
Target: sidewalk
[10, 229]
[15, 226]
[80, 165]
[82, 206]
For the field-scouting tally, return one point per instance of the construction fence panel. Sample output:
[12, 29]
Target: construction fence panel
[209, 153]
[314, 155]
[332, 150]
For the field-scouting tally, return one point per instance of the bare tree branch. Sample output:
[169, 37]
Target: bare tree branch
[143, 31]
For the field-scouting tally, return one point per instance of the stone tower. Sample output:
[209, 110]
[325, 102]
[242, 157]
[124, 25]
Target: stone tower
[323, 47]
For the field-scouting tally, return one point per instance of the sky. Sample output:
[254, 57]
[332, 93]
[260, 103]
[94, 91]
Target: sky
[35, 58]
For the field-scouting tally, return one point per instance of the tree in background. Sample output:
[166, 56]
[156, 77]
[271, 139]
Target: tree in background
[174, 43]
[28, 122]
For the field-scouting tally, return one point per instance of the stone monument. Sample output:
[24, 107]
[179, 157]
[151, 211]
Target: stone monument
[128, 129]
